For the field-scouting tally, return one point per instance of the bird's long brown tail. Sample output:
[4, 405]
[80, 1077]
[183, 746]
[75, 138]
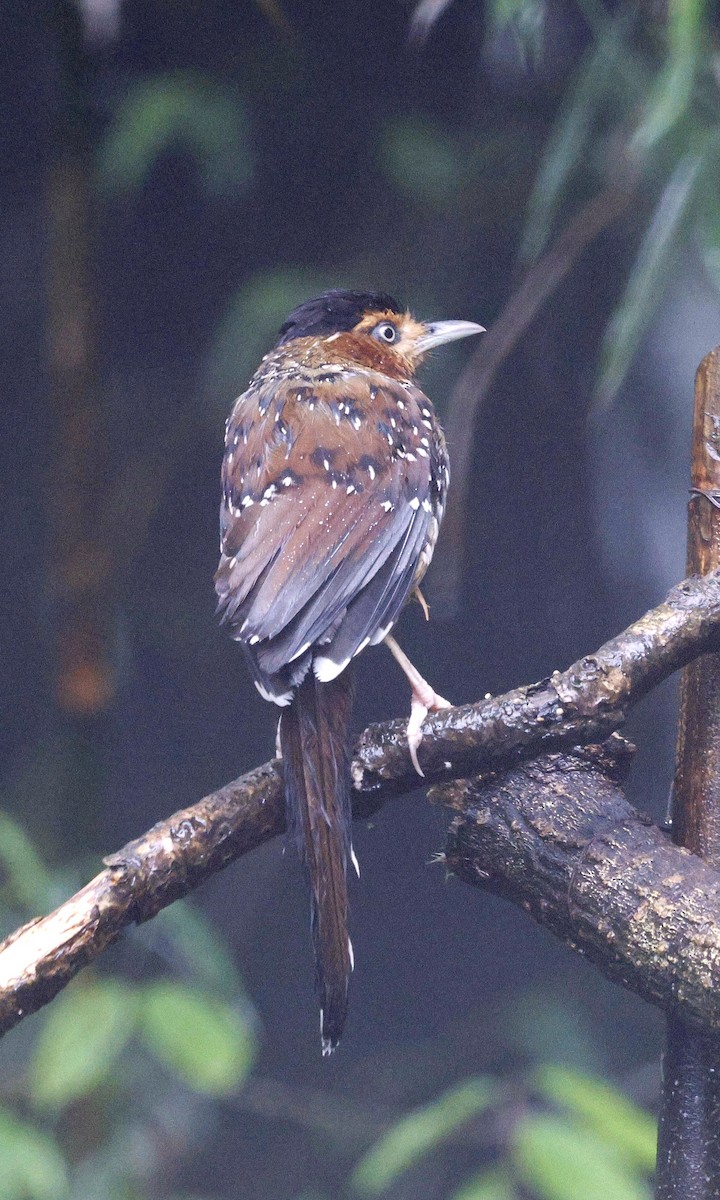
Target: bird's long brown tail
[314, 738]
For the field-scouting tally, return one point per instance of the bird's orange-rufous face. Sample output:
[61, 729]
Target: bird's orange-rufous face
[387, 338]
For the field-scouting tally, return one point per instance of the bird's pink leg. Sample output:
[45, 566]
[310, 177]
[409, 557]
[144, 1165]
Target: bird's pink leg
[424, 700]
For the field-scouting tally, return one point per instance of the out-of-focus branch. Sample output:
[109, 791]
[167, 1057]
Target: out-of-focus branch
[473, 385]
[85, 682]
[579, 705]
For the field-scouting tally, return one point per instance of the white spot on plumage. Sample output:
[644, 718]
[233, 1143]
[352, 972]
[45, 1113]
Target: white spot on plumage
[415, 503]
[351, 955]
[354, 861]
[422, 452]
[371, 471]
[253, 641]
[299, 653]
[282, 700]
[326, 670]
[247, 501]
[387, 505]
[287, 481]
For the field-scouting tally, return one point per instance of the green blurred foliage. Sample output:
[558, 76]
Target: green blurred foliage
[558, 1160]
[31, 1164]
[81, 1038]
[603, 1110]
[418, 1133]
[489, 1185]
[641, 113]
[592, 1143]
[182, 111]
[97, 1070]
[423, 161]
[204, 1040]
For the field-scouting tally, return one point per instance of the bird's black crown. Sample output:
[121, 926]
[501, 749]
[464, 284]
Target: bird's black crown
[334, 312]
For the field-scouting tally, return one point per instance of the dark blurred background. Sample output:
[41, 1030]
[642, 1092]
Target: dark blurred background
[175, 177]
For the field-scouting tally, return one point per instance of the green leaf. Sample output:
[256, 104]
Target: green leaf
[29, 879]
[422, 161]
[604, 1109]
[179, 109]
[31, 1164]
[418, 1133]
[646, 283]
[567, 145]
[688, 34]
[202, 1039]
[83, 1035]
[488, 1185]
[559, 1161]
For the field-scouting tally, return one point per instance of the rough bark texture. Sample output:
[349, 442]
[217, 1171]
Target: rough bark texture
[583, 704]
[689, 1134]
[557, 837]
[580, 705]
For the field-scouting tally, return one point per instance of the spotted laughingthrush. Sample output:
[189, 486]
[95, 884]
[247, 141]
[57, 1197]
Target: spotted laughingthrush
[334, 480]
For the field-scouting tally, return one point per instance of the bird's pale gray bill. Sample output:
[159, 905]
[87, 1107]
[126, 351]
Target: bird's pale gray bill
[439, 332]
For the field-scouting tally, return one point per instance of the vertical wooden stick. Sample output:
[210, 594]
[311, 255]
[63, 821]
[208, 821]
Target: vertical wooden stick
[81, 608]
[689, 1135]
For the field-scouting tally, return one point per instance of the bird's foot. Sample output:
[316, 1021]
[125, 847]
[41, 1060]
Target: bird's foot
[424, 700]
[422, 703]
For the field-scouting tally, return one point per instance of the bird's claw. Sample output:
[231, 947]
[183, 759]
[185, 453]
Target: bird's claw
[424, 700]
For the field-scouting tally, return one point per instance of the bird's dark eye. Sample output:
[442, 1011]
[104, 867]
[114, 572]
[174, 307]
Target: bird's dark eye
[385, 332]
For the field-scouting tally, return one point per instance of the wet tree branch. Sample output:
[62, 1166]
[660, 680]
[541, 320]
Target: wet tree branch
[557, 837]
[579, 706]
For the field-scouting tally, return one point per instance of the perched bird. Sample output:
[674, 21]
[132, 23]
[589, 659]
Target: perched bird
[334, 481]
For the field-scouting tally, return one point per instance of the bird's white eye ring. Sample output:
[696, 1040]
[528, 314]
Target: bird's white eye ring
[385, 332]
